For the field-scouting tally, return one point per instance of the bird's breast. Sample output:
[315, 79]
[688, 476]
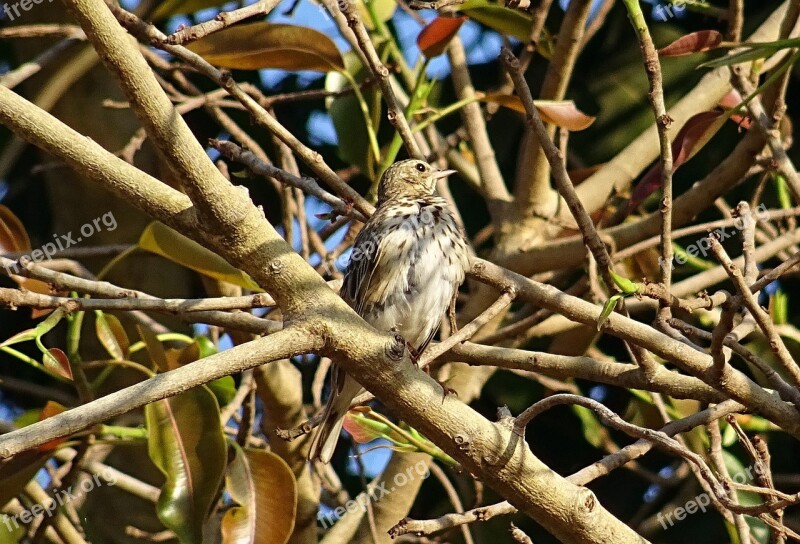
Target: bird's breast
[422, 263]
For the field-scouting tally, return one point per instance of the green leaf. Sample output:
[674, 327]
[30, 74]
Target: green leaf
[383, 10]
[254, 46]
[345, 112]
[608, 307]
[185, 441]
[12, 531]
[593, 431]
[154, 349]
[625, 285]
[224, 389]
[162, 240]
[742, 57]
[779, 308]
[206, 346]
[111, 335]
[38, 331]
[504, 20]
[365, 425]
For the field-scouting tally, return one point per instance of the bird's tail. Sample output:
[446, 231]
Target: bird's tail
[344, 389]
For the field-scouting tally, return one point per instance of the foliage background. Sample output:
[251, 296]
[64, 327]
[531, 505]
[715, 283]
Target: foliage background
[608, 82]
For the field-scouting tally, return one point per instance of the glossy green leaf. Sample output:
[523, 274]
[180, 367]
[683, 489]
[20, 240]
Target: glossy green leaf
[495, 16]
[264, 487]
[255, 46]
[186, 442]
[223, 388]
[162, 240]
[625, 285]
[206, 346]
[112, 335]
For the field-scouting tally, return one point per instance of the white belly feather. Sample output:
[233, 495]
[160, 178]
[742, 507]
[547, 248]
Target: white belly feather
[420, 267]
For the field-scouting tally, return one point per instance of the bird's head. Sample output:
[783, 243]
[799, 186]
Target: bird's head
[411, 178]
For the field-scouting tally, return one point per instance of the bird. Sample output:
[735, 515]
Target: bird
[405, 268]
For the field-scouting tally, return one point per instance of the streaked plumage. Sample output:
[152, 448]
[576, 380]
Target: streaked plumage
[405, 267]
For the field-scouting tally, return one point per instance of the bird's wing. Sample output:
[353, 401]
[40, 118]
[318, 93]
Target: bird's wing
[374, 272]
[360, 269]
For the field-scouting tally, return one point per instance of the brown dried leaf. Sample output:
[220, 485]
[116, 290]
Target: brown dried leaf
[260, 45]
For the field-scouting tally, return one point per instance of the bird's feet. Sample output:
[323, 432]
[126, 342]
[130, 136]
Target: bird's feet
[446, 391]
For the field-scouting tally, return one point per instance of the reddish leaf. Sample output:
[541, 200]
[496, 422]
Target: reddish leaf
[57, 362]
[435, 37]
[562, 113]
[696, 42]
[689, 140]
[732, 100]
[51, 409]
[363, 430]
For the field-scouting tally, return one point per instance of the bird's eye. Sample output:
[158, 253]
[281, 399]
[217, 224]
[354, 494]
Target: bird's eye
[421, 167]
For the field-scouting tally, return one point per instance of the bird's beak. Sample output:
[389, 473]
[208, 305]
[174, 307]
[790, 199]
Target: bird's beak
[443, 174]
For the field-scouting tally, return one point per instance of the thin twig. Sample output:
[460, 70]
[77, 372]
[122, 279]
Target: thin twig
[222, 20]
[467, 331]
[764, 320]
[655, 95]
[448, 521]
[590, 236]
[381, 73]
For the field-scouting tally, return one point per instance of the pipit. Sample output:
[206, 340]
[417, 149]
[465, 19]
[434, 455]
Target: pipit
[405, 268]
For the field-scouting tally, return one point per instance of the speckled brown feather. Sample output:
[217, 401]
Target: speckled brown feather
[406, 265]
